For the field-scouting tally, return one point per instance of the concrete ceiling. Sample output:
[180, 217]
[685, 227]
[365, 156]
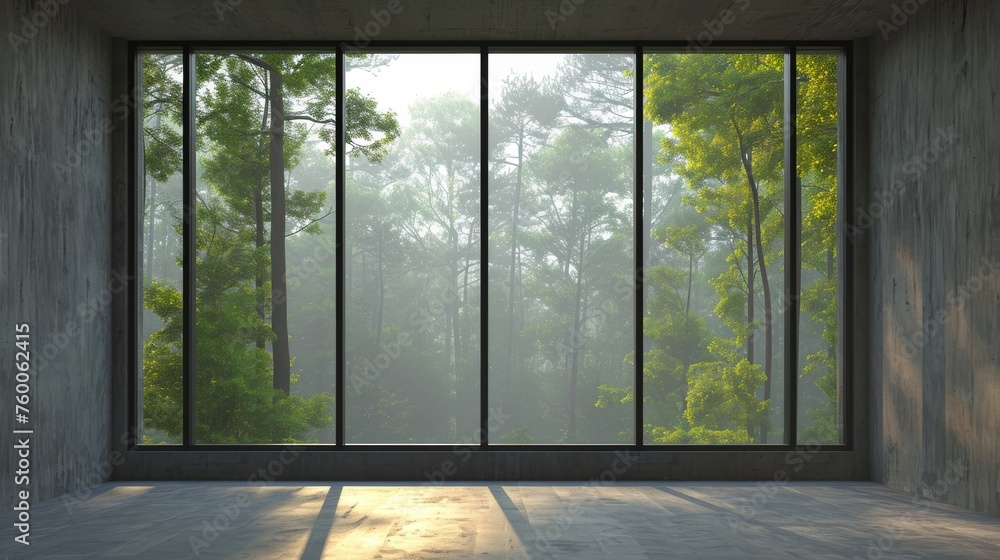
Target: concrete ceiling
[489, 19]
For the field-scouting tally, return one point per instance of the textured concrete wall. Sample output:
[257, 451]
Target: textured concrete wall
[698, 21]
[935, 227]
[55, 241]
[463, 464]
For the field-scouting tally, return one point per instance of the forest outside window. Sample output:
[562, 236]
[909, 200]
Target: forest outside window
[561, 249]
[412, 266]
[488, 246]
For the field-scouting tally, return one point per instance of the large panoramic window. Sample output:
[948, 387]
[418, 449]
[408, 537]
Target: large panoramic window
[490, 247]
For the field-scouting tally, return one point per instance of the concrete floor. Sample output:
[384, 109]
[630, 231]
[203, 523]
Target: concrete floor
[530, 520]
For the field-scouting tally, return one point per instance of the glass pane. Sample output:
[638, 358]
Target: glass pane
[818, 120]
[413, 245]
[159, 248]
[561, 248]
[714, 262]
[266, 246]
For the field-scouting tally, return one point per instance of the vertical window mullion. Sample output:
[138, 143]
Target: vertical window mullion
[793, 249]
[484, 197]
[638, 247]
[845, 243]
[135, 241]
[188, 244]
[341, 163]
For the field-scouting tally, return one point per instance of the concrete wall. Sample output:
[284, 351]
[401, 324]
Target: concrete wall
[55, 242]
[699, 22]
[935, 228]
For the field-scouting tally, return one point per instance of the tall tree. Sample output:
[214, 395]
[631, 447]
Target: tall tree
[725, 114]
[818, 147]
[161, 138]
[579, 212]
[599, 92]
[441, 148]
[524, 115]
[266, 83]
[255, 111]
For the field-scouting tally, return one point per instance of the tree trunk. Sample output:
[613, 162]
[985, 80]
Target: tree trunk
[380, 304]
[282, 375]
[576, 344]
[686, 365]
[576, 334]
[259, 241]
[647, 218]
[687, 306]
[831, 349]
[453, 307]
[768, 316]
[150, 229]
[258, 210]
[464, 394]
[279, 302]
[751, 281]
[746, 156]
[513, 262]
[765, 287]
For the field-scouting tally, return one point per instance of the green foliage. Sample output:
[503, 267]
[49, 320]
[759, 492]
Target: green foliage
[560, 235]
[233, 376]
[519, 434]
[236, 400]
[161, 116]
[818, 160]
[725, 141]
[700, 435]
[721, 396]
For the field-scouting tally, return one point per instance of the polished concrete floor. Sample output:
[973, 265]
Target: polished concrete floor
[304, 521]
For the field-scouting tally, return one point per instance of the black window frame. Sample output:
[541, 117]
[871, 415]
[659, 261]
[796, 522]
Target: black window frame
[846, 256]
